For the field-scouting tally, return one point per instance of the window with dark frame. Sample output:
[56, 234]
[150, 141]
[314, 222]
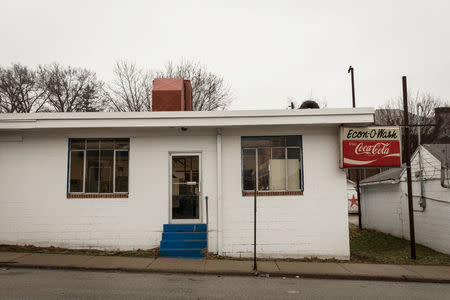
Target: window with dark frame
[98, 165]
[273, 163]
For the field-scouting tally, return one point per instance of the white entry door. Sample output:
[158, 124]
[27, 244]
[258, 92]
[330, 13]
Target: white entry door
[185, 194]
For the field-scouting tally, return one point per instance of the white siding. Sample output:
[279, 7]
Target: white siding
[385, 206]
[381, 208]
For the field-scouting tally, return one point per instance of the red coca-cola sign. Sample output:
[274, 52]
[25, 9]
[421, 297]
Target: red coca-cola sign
[370, 147]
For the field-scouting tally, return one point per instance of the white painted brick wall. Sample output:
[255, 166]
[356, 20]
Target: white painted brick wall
[34, 208]
[33, 204]
[313, 224]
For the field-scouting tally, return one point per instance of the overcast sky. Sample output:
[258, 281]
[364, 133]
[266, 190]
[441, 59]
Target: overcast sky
[266, 50]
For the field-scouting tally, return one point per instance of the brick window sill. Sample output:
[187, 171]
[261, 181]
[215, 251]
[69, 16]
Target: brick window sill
[274, 193]
[71, 196]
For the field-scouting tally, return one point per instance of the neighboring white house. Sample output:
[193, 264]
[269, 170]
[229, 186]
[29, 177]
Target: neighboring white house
[384, 197]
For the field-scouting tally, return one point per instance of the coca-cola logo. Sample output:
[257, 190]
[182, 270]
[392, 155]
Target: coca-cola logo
[376, 149]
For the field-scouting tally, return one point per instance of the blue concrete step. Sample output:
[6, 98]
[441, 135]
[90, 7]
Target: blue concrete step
[182, 253]
[184, 241]
[184, 236]
[182, 244]
[184, 227]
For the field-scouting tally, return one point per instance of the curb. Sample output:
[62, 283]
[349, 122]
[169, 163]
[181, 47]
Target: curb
[234, 273]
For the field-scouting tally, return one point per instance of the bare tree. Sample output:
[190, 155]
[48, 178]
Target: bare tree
[209, 91]
[71, 89]
[20, 90]
[130, 89]
[421, 111]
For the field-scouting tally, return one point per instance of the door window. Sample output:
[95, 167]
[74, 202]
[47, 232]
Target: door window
[185, 187]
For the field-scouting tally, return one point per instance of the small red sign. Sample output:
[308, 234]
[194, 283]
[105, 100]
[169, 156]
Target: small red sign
[371, 153]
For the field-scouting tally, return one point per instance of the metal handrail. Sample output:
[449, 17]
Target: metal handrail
[206, 199]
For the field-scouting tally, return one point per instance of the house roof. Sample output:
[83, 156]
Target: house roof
[388, 175]
[324, 116]
[440, 151]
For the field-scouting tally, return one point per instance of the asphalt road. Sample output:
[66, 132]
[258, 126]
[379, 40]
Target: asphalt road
[60, 284]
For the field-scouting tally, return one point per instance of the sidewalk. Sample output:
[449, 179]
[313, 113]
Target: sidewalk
[417, 273]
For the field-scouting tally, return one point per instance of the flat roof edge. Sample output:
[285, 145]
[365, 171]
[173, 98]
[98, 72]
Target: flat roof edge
[186, 114]
[361, 116]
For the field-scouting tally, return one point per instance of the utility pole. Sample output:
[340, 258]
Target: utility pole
[358, 171]
[254, 228]
[407, 148]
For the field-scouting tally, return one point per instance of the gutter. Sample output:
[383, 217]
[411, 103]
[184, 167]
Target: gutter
[444, 171]
[391, 181]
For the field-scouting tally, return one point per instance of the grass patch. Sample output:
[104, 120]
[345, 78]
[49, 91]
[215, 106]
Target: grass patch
[370, 246]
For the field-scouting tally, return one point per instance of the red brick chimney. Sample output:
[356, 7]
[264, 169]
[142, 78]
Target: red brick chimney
[171, 94]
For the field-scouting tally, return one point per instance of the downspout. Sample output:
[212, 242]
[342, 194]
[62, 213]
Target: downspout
[219, 192]
[444, 170]
[422, 202]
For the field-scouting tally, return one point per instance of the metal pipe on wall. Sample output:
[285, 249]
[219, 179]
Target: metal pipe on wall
[422, 187]
[219, 193]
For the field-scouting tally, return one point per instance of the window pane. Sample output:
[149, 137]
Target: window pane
[77, 144]
[293, 140]
[248, 168]
[263, 168]
[262, 141]
[106, 171]
[277, 167]
[122, 171]
[92, 168]
[76, 171]
[93, 144]
[293, 163]
[185, 169]
[122, 143]
[107, 144]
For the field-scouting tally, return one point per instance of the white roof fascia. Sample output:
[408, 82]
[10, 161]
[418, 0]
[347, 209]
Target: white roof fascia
[354, 116]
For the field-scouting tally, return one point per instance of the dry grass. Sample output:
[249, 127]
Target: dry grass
[56, 250]
[366, 246]
[370, 246]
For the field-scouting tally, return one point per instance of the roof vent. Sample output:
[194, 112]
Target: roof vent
[309, 104]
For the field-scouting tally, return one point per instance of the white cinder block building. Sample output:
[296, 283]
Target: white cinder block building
[384, 197]
[112, 180]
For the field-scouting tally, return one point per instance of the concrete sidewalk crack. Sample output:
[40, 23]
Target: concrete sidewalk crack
[345, 269]
[278, 267]
[410, 270]
[150, 263]
[90, 257]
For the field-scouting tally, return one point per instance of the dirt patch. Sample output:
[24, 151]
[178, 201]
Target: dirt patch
[153, 253]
